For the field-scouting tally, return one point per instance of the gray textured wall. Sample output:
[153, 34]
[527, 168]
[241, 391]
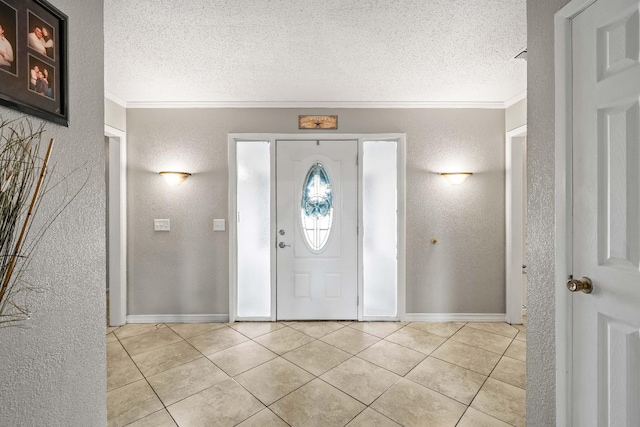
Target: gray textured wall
[54, 372]
[185, 271]
[540, 224]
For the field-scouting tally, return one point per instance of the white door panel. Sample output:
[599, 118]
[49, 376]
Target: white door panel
[317, 283]
[606, 214]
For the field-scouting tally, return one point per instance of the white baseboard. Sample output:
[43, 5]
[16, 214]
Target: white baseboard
[380, 319]
[409, 317]
[254, 319]
[455, 317]
[177, 318]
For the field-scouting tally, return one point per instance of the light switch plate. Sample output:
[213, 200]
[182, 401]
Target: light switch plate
[219, 225]
[161, 225]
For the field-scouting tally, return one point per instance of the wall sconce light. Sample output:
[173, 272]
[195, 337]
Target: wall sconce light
[456, 178]
[175, 178]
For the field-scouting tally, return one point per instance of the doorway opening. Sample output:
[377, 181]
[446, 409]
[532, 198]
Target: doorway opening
[319, 227]
[116, 176]
[515, 215]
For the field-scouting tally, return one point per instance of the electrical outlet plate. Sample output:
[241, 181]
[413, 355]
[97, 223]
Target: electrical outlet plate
[161, 225]
[219, 225]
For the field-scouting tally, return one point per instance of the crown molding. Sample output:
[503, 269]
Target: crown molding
[519, 97]
[316, 105]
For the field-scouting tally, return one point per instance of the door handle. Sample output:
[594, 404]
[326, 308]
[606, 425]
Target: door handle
[282, 245]
[582, 284]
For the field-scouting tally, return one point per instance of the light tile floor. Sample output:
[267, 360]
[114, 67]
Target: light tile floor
[316, 374]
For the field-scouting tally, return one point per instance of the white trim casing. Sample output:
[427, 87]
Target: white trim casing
[274, 225]
[514, 174]
[117, 217]
[360, 237]
[314, 104]
[177, 318]
[454, 317]
[233, 229]
[563, 205]
[402, 228]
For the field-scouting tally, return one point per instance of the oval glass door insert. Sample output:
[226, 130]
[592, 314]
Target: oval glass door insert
[316, 207]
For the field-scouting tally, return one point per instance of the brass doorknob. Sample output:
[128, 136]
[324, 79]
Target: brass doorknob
[582, 284]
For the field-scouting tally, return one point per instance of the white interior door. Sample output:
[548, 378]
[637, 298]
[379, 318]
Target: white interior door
[516, 214]
[317, 250]
[606, 215]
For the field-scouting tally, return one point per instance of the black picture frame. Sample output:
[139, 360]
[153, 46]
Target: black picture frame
[35, 81]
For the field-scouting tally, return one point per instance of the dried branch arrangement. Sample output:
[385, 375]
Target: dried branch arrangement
[25, 182]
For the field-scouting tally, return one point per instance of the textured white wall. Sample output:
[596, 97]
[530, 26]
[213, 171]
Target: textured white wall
[541, 410]
[185, 271]
[54, 372]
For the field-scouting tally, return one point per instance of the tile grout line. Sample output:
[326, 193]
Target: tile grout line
[149, 384]
[488, 376]
[485, 381]
[475, 346]
[156, 348]
[267, 408]
[344, 392]
[357, 330]
[263, 404]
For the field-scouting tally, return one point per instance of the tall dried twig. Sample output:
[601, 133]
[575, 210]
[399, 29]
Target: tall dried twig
[16, 252]
[25, 181]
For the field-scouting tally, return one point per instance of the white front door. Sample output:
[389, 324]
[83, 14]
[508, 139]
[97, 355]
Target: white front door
[317, 252]
[606, 215]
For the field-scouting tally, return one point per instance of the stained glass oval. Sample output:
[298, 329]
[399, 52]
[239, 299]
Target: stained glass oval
[316, 207]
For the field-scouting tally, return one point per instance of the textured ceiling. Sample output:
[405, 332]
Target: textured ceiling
[253, 51]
